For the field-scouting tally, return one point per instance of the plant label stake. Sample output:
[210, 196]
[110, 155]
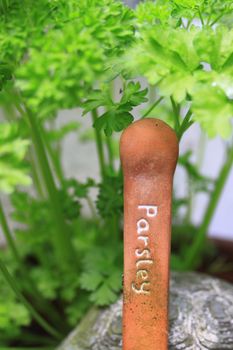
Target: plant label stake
[149, 151]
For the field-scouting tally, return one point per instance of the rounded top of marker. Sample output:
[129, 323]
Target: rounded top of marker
[148, 147]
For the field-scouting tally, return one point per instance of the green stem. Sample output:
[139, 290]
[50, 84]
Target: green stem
[91, 207]
[216, 19]
[61, 240]
[186, 123]
[176, 115]
[152, 94]
[152, 107]
[55, 161]
[200, 159]
[190, 22]
[8, 235]
[42, 322]
[201, 150]
[188, 216]
[99, 144]
[193, 254]
[201, 18]
[35, 176]
[110, 152]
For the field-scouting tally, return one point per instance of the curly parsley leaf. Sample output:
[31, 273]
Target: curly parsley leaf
[13, 169]
[57, 54]
[101, 276]
[118, 115]
[213, 110]
[113, 121]
[110, 196]
[185, 62]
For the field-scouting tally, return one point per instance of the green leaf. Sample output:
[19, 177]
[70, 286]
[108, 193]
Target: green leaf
[97, 98]
[103, 296]
[115, 281]
[117, 118]
[77, 309]
[110, 197]
[13, 315]
[167, 56]
[91, 280]
[207, 45]
[133, 95]
[151, 12]
[45, 282]
[111, 121]
[103, 280]
[200, 182]
[213, 110]
[178, 85]
[13, 170]
[162, 53]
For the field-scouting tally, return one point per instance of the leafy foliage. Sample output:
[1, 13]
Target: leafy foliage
[102, 276]
[110, 197]
[52, 282]
[52, 32]
[63, 54]
[176, 57]
[118, 115]
[201, 183]
[12, 153]
[13, 314]
[216, 103]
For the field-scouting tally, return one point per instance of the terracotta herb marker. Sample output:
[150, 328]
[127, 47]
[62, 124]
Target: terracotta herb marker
[149, 151]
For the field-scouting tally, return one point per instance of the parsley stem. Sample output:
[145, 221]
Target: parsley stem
[8, 235]
[176, 115]
[35, 175]
[152, 107]
[190, 22]
[99, 144]
[201, 18]
[216, 19]
[91, 207]
[185, 125]
[54, 159]
[110, 152]
[62, 244]
[193, 253]
[40, 320]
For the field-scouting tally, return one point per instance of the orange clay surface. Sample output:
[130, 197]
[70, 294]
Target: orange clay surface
[149, 151]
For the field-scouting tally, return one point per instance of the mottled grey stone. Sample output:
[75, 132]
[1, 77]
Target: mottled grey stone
[201, 317]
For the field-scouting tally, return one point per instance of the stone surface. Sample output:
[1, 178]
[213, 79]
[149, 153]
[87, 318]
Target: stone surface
[201, 317]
